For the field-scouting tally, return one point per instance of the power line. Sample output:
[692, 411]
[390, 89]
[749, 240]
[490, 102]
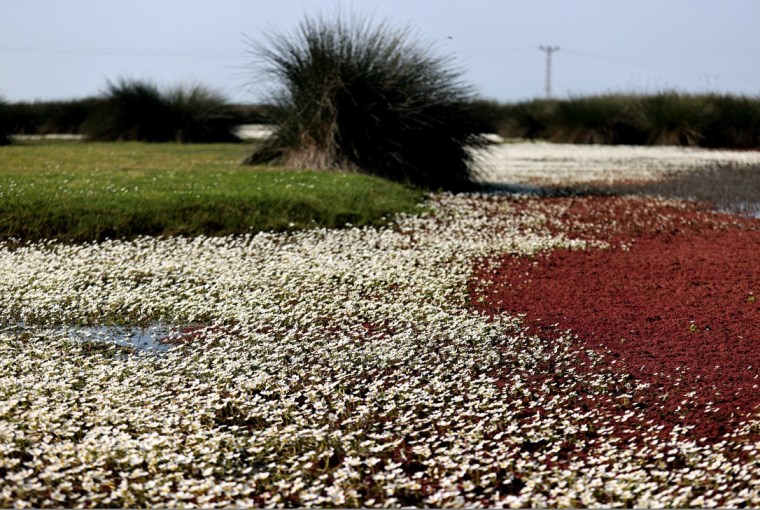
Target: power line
[126, 53]
[231, 55]
[616, 60]
[668, 70]
[497, 50]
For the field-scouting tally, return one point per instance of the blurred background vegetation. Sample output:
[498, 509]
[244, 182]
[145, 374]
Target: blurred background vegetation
[128, 109]
[666, 118]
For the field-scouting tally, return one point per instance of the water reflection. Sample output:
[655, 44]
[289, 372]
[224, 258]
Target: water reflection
[750, 209]
[149, 339]
[155, 338]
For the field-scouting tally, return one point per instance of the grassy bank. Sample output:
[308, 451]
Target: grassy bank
[93, 191]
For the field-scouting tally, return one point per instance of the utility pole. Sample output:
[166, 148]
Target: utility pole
[549, 50]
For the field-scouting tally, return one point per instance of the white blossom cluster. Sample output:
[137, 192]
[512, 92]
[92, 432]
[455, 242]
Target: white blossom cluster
[541, 163]
[333, 368]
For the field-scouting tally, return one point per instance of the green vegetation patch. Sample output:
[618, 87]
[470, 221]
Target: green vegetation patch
[94, 191]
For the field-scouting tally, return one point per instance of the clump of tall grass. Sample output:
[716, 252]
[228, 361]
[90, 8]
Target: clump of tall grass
[671, 118]
[200, 115]
[605, 119]
[48, 117]
[586, 119]
[355, 95]
[134, 110]
[5, 122]
[733, 122]
[527, 119]
[490, 115]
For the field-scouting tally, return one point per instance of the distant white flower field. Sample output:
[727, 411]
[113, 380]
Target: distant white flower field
[542, 163]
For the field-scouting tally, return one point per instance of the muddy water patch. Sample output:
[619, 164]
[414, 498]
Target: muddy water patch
[156, 338]
[726, 188]
[750, 209]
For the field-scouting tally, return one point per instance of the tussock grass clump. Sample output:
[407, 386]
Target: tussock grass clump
[590, 120]
[490, 115]
[673, 119]
[5, 122]
[527, 119]
[133, 110]
[354, 95]
[200, 115]
[733, 122]
[52, 117]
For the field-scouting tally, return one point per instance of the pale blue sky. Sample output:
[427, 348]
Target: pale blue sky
[61, 49]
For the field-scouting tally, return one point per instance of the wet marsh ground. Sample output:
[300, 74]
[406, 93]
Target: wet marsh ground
[725, 187]
[729, 180]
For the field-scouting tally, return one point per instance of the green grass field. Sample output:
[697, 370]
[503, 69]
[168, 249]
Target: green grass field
[75, 191]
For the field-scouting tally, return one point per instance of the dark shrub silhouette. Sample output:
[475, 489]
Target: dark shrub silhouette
[6, 122]
[357, 96]
[139, 111]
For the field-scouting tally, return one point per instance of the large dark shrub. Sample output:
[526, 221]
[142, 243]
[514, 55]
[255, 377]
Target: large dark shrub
[131, 110]
[200, 115]
[359, 96]
[138, 110]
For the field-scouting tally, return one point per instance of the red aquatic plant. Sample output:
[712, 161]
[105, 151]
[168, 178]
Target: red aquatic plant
[673, 302]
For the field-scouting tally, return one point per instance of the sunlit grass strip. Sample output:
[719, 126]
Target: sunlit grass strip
[82, 192]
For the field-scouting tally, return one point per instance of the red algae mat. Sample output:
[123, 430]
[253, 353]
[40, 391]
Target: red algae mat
[674, 302]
